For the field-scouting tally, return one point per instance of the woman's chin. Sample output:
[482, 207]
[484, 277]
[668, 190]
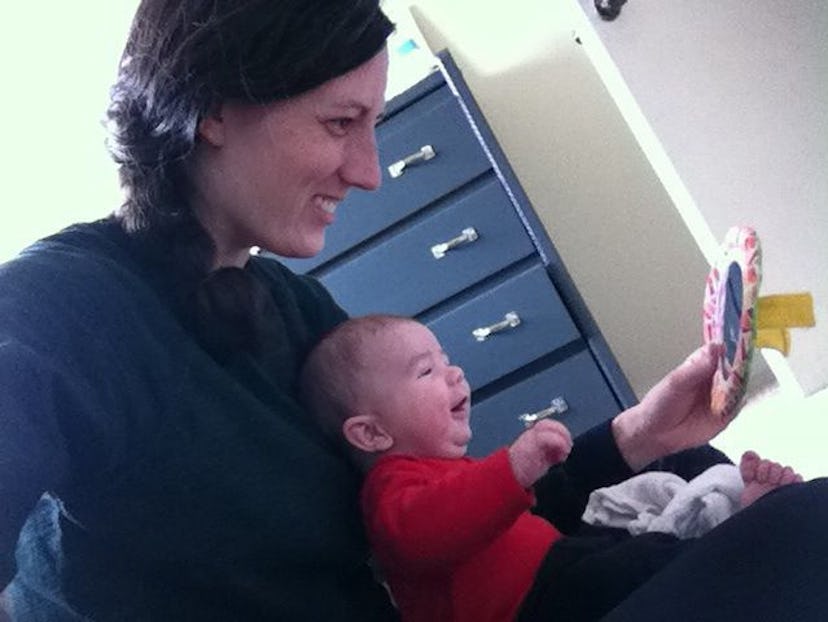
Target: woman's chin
[299, 251]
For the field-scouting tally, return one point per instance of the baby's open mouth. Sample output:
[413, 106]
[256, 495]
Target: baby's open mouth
[460, 405]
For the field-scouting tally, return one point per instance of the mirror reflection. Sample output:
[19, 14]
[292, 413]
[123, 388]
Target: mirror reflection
[732, 313]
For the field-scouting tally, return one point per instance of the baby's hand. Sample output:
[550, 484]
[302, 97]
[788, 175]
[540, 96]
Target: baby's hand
[546, 443]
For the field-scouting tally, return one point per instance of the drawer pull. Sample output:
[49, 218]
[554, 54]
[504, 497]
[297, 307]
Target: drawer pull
[510, 320]
[557, 407]
[396, 169]
[467, 236]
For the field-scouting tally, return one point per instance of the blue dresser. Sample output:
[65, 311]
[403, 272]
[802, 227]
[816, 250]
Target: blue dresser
[451, 239]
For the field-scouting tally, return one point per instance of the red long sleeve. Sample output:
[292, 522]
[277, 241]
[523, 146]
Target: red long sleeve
[454, 537]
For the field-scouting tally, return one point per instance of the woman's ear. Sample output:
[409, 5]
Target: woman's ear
[211, 127]
[364, 432]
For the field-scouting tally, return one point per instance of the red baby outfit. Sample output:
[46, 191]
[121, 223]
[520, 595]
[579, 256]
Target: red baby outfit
[454, 537]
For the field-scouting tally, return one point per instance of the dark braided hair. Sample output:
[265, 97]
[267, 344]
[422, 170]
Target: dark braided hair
[182, 59]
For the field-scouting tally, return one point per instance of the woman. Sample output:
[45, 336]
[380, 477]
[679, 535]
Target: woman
[156, 464]
[184, 480]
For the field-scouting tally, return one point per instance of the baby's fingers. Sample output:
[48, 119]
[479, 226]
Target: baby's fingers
[555, 440]
[551, 426]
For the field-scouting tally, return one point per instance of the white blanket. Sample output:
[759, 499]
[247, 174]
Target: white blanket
[665, 502]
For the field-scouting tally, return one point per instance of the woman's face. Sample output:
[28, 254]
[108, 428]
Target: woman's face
[272, 175]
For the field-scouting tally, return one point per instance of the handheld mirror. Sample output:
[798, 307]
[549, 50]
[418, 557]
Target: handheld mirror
[729, 312]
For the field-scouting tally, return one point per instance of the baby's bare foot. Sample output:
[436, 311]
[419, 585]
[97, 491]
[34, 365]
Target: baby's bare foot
[761, 476]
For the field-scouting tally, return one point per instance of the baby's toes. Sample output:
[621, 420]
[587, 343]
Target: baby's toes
[747, 466]
[789, 476]
[774, 473]
[763, 471]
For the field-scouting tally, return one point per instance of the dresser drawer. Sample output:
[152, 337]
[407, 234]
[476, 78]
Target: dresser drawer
[436, 120]
[577, 380]
[402, 275]
[544, 326]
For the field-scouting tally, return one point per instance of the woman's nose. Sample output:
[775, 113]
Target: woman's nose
[361, 167]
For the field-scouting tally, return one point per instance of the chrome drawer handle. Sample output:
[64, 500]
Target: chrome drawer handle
[467, 236]
[557, 407]
[426, 152]
[510, 320]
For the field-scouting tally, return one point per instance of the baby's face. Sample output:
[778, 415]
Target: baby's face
[418, 397]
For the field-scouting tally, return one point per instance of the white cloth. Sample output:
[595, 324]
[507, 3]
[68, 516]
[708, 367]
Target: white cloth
[664, 502]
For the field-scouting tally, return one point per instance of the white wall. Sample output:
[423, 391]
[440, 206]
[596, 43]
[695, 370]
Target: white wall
[737, 94]
[57, 60]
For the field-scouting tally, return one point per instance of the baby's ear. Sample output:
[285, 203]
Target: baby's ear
[364, 432]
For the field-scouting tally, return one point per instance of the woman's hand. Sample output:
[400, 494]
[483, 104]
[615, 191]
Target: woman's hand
[674, 415]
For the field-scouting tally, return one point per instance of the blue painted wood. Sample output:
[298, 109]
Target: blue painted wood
[545, 325]
[435, 120]
[578, 380]
[405, 278]
[560, 275]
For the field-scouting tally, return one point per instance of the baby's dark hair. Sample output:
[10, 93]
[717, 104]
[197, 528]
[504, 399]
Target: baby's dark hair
[182, 60]
[331, 375]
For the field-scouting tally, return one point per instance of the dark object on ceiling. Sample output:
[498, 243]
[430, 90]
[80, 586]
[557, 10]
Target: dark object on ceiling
[609, 9]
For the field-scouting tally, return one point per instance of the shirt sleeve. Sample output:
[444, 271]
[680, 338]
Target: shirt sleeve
[62, 375]
[594, 462]
[33, 449]
[426, 518]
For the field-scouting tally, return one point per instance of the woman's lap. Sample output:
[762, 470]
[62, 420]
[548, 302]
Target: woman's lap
[767, 562]
[584, 576]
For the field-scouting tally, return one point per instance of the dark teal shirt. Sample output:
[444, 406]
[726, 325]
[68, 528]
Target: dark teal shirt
[178, 488]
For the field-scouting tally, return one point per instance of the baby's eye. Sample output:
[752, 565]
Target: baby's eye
[424, 372]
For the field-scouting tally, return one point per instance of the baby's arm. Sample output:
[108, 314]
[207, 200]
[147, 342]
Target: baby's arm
[545, 444]
[424, 517]
[426, 514]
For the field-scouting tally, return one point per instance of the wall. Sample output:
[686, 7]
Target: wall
[737, 95]
[638, 268]
[57, 61]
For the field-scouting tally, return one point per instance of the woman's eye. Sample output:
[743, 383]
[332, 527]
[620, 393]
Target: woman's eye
[340, 125]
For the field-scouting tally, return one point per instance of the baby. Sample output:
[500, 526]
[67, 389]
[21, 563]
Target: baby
[454, 536]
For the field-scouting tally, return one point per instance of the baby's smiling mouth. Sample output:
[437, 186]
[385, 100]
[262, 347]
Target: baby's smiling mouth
[329, 206]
